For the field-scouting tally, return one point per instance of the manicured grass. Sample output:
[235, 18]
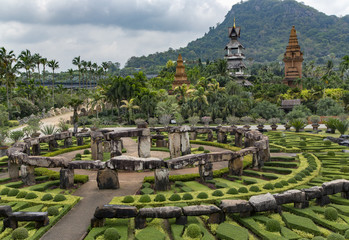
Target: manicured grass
[196, 186]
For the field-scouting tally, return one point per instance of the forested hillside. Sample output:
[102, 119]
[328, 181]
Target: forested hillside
[265, 25]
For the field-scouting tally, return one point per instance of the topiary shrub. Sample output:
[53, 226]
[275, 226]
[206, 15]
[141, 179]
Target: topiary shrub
[298, 177]
[217, 193]
[343, 161]
[278, 185]
[144, 199]
[160, 198]
[201, 148]
[273, 225]
[21, 194]
[254, 189]
[13, 192]
[193, 231]
[232, 191]
[46, 197]
[292, 180]
[243, 190]
[59, 198]
[202, 195]
[187, 196]
[78, 155]
[128, 199]
[175, 197]
[20, 233]
[345, 169]
[31, 195]
[52, 211]
[331, 153]
[327, 143]
[331, 214]
[86, 151]
[111, 234]
[146, 185]
[346, 234]
[4, 191]
[302, 144]
[318, 238]
[206, 151]
[284, 183]
[335, 236]
[268, 186]
[146, 191]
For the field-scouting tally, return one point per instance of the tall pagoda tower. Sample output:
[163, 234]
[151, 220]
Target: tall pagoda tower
[180, 76]
[293, 59]
[234, 55]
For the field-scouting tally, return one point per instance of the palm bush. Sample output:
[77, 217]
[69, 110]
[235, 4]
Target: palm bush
[298, 124]
[48, 129]
[331, 124]
[16, 135]
[62, 126]
[341, 126]
[314, 119]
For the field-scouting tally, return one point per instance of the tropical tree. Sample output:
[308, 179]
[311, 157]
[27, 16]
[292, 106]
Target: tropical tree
[77, 61]
[71, 72]
[37, 61]
[75, 102]
[27, 61]
[130, 106]
[53, 64]
[43, 61]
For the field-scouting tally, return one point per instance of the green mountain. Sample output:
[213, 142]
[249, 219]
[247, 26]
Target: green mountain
[265, 28]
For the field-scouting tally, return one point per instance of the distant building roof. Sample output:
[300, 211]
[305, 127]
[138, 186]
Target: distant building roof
[244, 82]
[289, 104]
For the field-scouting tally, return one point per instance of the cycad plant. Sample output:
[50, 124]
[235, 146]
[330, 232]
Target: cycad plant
[331, 124]
[298, 124]
[48, 129]
[341, 126]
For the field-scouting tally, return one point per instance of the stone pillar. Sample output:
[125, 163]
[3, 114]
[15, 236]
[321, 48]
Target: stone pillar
[193, 135]
[144, 144]
[108, 179]
[210, 136]
[185, 143]
[36, 150]
[66, 178]
[140, 222]
[162, 181]
[255, 160]
[235, 166]
[174, 142]
[52, 144]
[238, 139]
[161, 143]
[221, 137]
[13, 170]
[27, 175]
[115, 148]
[68, 142]
[79, 141]
[97, 145]
[107, 146]
[206, 171]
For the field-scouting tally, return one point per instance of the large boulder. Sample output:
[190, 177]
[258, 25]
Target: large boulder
[263, 202]
[198, 210]
[108, 179]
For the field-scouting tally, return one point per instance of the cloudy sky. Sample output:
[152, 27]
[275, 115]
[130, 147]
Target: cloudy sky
[115, 30]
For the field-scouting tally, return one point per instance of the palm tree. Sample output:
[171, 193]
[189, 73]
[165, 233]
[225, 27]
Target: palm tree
[344, 65]
[105, 67]
[75, 103]
[27, 61]
[43, 61]
[95, 71]
[37, 61]
[84, 70]
[53, 64]
[130, 106]
[71, 72]
[77, 62]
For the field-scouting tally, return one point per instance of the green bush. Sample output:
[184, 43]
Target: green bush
[318, 238]
[278, 185]
[20, 233]
[254, 189]
[298, 177]
[146, 185]
[273, 225]
[331, 153]
[144, 199]
[128, 199]
[86, 151]
[343, 161]
[284, 183]
[160, 198]
[52, 211]
[47, 197]
[345, 169]
[217, 193]
[175, 197]
[202, 195]
[331, 214]
[242, 190]
[268, 186]
[59, 198]
[80, 178]
[206, 151]
[147, 191]
[187, 196]
[111, 234]
[31, 195]
[292, 180]
[302, 144]
[13, 192]
[21, 194]
[193, 231]
[221, 185]
[346, 234]
[4, 191]
[78, 155]
[201, 148]
[232, 191]
[327, 143]
[335, 236]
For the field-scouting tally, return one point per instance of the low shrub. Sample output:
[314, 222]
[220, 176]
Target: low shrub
[217, 193]
[202, 195]
[284, 183]
[302, 144]
[144, 199]
[193, 231]
[128, 199]
[327, 143]
[187, 196]
[242, 190]
[254, 189]
[160, 198]
[249, 181]
[331, 214]
[346, 234]
[111, 234]
[59, 198]
[86, 151]
[47, 197]
[206, 151]
[13, 192]
[201, 148]
[4, 191]
[31, 195]
[292, 180]
[278, 185]
[345, 169]
[268, 186]
[52, 211]
[335, 236]
[331, 153]
[21, 194]
[317, 238]
[298, 177]
[273, 225]
[146, 185]
[20, 233]
[174, 197]
[147, 191]
[78, 155]
[232, 191]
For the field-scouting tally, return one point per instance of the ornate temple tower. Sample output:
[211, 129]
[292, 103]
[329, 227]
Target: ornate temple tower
[180, 76]
[293, 59]
[234, 55]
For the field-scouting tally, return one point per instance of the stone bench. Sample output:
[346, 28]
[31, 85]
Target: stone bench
[112, 211]
[40, 218]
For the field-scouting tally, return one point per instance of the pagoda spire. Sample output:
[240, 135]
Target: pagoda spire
[234, 22]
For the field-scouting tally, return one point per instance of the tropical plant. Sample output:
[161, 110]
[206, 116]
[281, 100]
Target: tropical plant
[165, 119]
[331, 124]
[298, 124]
[232, 120]
[48, 129]
[206, 120]
[34, 123]
[16, 135]
[62, 125]
[315, 119]
[53, 64]
[341, 126]
[130, 106]
[193, 120]
[3, 135]
[152, 121]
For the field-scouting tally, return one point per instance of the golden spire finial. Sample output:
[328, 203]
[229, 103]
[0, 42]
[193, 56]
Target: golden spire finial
[234, 22]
